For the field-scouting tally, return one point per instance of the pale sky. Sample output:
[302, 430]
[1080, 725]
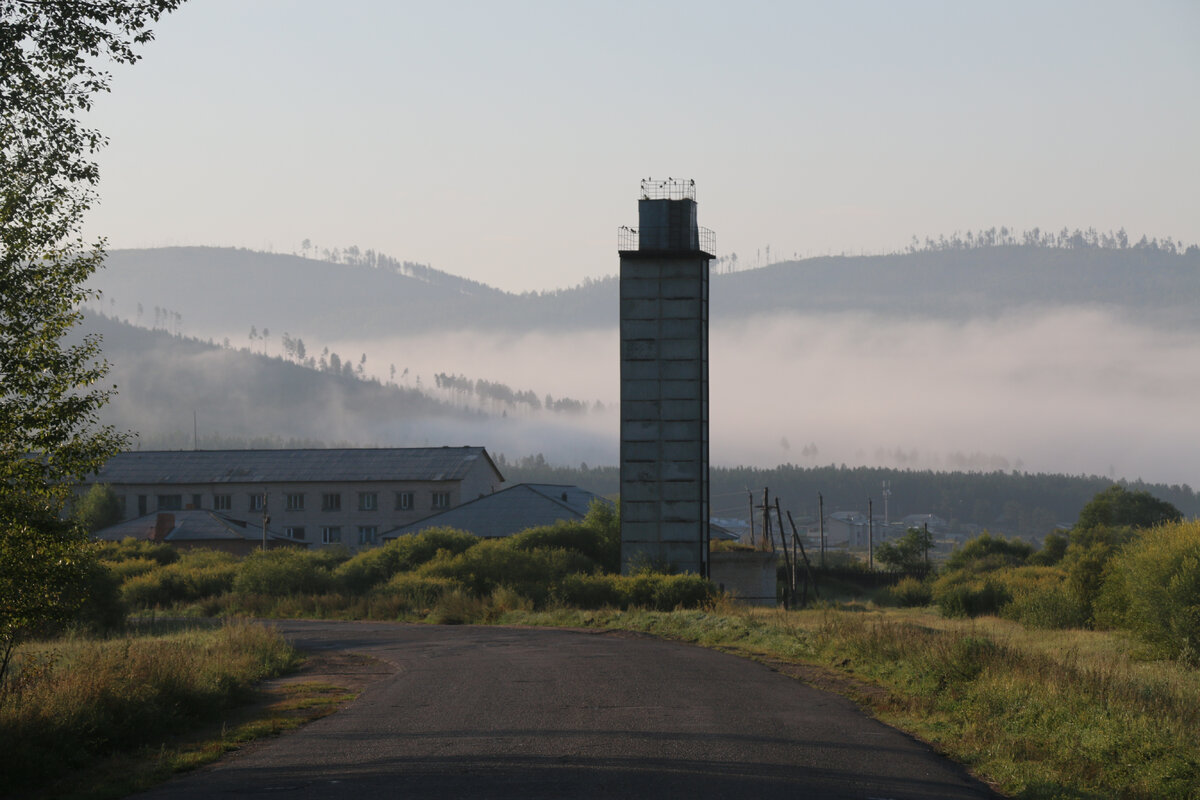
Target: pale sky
[504, 141]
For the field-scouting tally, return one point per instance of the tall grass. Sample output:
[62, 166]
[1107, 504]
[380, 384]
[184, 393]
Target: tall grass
[1043, 714]
[73, 700]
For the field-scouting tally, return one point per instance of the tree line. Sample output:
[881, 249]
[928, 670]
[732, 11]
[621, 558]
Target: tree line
[1013, 503]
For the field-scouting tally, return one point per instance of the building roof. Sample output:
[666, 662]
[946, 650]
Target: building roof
[292, 466]
[191, 525]
[509, 511]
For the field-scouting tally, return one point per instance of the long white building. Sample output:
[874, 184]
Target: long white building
[347, 496]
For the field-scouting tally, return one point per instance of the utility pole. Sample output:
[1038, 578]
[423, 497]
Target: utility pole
[870, 534]
[926, 542]
[266, 519]
[750, 496]
[821, 522]
[887, 492]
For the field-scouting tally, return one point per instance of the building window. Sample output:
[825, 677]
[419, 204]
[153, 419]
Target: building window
[141, 505]
[257, 502]
[331, 501]
[331, 534]
[295, 502]
[404, 501]
[222, 502]
[170, 502]
[367, 534]
[294, 532]
[368, 501]
[121, 504]
[195, 501]
[441, 499]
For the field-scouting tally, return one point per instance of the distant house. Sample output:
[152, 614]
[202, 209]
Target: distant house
[346, 496]
[509, 511]
[847, 529]
[935, 523]
[197, 528]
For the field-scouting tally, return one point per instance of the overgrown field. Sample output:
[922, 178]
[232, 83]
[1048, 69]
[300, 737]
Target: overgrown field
[1065, 672]
[1040, 714]
[71, 701]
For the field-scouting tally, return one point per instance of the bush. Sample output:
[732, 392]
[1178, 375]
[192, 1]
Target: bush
[198, 575]
[1160, 573]
[910, 592]
[986, 552]
[130, 548]
[654, 591]
[496, 562]
[594, 537]
[283, 572]
[419, 593]
[960, 594]
[1053, 606]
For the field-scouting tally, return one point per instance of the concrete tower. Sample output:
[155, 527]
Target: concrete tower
[664, 381]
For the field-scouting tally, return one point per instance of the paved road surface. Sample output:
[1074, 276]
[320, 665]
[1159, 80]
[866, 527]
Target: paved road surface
[486, 712]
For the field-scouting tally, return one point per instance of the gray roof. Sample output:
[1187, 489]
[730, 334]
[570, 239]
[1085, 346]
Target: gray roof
[509, 511]
[279, 466]
[191, 525]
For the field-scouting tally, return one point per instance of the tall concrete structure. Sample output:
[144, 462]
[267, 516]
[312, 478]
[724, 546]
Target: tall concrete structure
[664, 381]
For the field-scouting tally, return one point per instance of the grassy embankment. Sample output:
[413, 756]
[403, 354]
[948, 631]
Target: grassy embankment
[97, 718]
[1039, 714]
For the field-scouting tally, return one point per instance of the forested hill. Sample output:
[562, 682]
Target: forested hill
[221, 291]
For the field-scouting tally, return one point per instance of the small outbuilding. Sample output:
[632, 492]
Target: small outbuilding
[509, 511]
[196, 528]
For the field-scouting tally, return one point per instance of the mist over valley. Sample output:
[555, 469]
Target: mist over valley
[1028, 358]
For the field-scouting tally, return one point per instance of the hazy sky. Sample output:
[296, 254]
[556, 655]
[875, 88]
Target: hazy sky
[504, 141]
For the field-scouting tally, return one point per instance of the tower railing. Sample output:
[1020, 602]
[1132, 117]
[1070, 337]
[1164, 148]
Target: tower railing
[629, 238]
[669, 189]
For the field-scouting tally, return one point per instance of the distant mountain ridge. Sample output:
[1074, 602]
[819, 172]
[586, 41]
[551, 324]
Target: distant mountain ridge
[224, 291]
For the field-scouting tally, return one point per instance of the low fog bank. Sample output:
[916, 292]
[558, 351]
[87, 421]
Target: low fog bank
[1071, 390]
[1074, 390]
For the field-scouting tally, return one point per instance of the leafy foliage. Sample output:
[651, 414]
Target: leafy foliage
[1118, 507]
[1158, 577]
[908, 553]
[98, 508]
[50, 437]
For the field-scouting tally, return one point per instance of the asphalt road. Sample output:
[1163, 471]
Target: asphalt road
[487, 712]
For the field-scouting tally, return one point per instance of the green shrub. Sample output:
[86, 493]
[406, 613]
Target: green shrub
[496, 562]
[374, 567]
[131, 549]
[985, 553]
[283, 572]
[594, 540]
[1160, 573]
[960, 594]
[365, 570]
[130, 568]
[592, 591]
[1053, 606]
[654, 591]
[910, 592]
[198, 575]
[419, 593]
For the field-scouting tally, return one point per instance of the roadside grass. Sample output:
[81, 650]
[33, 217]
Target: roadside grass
[271, 713]
[1039, 714]
[98, 718]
